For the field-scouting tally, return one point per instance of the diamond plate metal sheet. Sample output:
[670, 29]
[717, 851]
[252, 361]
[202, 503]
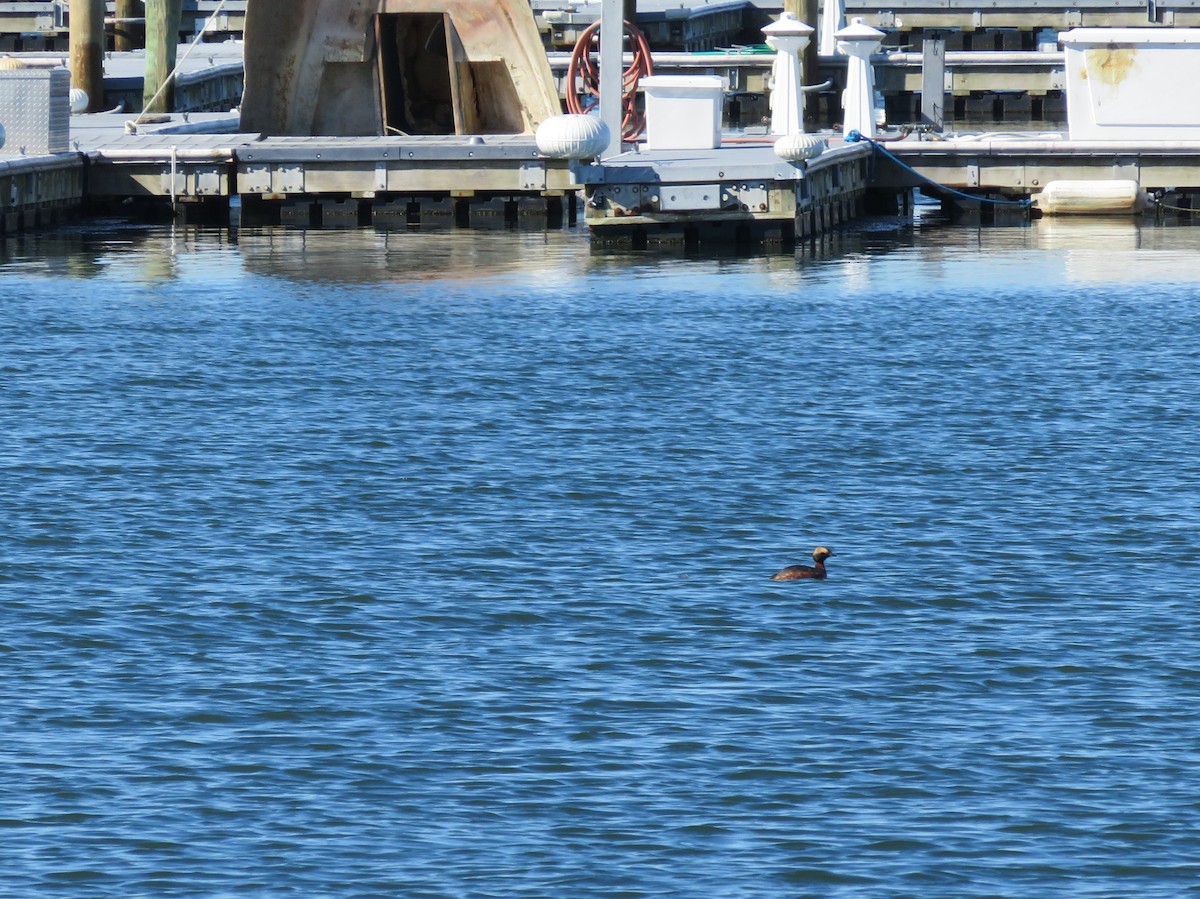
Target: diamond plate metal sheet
[35, 110]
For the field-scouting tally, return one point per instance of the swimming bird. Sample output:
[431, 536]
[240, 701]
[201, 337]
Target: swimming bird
[816, 571]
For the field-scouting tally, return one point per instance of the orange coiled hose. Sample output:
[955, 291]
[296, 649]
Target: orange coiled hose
[583, 72]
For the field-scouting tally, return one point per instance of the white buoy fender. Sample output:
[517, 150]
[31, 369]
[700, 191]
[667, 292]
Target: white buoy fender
[799, 147]
[572, 137]
[79, 100]
[1116, 197]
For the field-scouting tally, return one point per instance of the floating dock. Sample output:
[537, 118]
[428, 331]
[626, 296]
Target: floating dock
[39, 191]
[183, 166]
[1015, 166]
[464, 181]
[738, 194]
[741, 194]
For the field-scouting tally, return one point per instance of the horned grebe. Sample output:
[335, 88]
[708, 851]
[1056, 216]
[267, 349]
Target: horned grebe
[816, 571]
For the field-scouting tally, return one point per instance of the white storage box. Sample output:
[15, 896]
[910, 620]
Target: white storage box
[683, 112]
[36, 111]
[1132, 83]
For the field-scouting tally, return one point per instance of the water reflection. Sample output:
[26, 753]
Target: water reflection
[370, 255]
[134, 253]
[1087, 249]
[1119, 249]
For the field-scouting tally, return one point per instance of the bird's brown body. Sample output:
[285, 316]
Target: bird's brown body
[815, 572]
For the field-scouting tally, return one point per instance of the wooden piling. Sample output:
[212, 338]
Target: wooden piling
[129, 34]
[807, 11]
[162, 37]
[87, 50]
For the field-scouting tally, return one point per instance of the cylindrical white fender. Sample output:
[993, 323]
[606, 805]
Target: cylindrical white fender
[1117, 197]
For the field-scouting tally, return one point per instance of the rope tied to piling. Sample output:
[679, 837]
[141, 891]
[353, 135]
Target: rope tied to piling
[856, 137]
[178, 65]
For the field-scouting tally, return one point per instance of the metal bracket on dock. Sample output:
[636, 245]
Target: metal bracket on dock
[532, 176]
[686, 197]
[256, 179]
[194, 181]
[749, 196]
[289, 179]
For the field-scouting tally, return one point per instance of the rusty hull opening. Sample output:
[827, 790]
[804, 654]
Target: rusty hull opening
[414, 73]
[429, 86]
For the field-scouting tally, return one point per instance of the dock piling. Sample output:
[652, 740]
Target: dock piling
[128, 32]
[87, 50]
[162, 37]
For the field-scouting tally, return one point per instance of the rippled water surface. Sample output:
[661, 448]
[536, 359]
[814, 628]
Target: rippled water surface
[351, 563]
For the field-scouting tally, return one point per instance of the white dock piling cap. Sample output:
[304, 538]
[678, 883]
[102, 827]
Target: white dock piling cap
[787, 25]
[858, 30]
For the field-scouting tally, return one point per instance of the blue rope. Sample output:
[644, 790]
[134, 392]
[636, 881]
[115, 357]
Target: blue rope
[855, 137]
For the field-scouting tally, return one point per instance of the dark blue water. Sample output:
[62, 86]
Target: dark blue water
[339, 564]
